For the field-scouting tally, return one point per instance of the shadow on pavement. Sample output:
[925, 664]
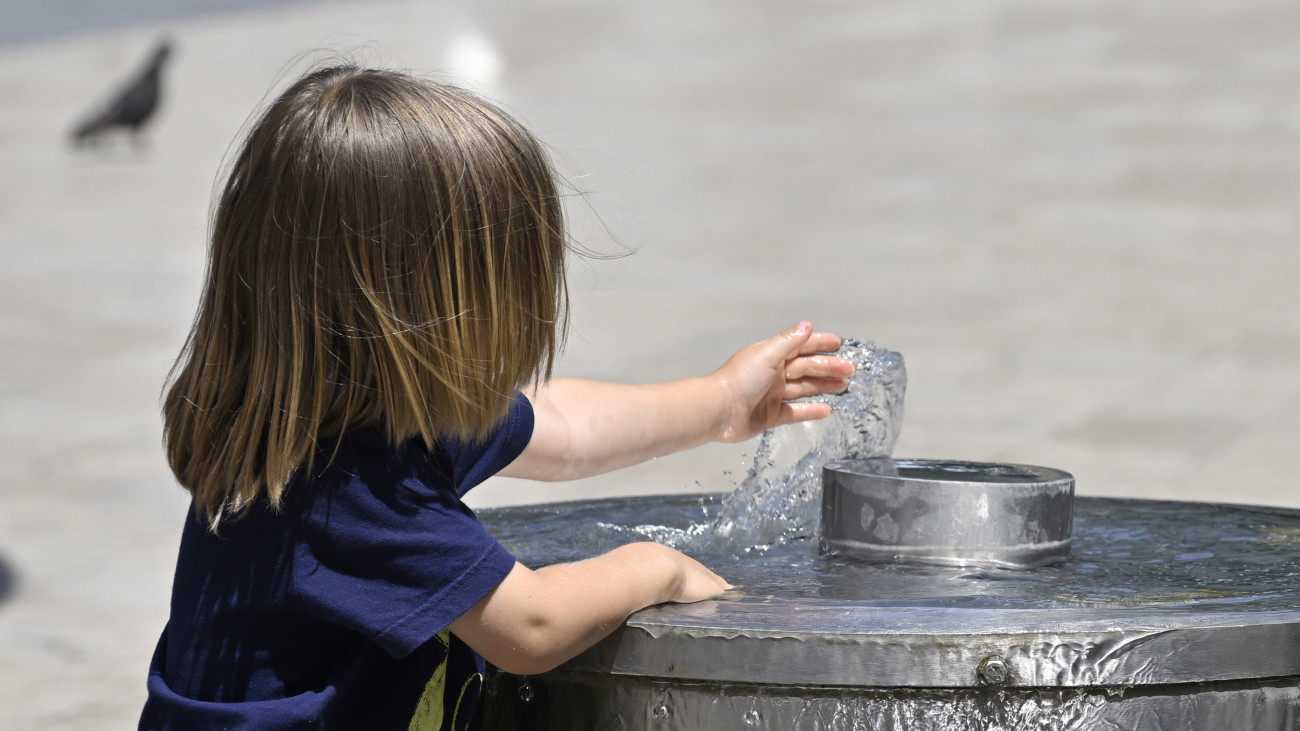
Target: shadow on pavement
[6, 580]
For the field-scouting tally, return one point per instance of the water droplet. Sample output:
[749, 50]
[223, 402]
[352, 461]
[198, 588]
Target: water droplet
[660, 711]
[752, 718]
[525, 692]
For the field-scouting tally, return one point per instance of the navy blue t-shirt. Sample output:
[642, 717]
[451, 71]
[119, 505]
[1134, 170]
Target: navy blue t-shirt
[333, 612]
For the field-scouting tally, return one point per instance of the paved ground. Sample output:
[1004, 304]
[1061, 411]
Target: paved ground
[27, 21]
[1078, 223]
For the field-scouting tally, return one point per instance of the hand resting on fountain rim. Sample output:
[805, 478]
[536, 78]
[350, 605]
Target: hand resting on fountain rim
[536, 620]
[584, 428]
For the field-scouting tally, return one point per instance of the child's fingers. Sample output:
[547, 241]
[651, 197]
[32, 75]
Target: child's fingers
[818, 366]
[698, 582]
[821, 343]
[792, 413]
[799, 341]
[813, 387]
[789, 343]
[779, 349]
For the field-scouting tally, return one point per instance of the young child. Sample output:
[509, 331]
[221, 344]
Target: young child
[386, 277]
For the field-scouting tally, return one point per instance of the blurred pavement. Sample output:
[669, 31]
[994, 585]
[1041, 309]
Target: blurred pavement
[1077, 222]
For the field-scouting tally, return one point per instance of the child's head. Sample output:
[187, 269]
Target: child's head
[386, 251]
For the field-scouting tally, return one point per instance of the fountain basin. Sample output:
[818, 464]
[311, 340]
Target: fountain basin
[1168, 616]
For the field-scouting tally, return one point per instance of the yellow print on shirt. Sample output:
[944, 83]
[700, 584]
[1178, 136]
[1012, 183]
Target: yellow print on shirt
[430, 711]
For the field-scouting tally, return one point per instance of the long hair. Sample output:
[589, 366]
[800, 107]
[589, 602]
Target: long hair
[387, 252]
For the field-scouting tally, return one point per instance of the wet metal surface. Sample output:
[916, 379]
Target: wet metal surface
[1155, 593]
[947, 512]
[1161, 555]
[566, 701]
[1169, 616]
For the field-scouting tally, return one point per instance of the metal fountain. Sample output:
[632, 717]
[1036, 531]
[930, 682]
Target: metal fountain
[937, 595]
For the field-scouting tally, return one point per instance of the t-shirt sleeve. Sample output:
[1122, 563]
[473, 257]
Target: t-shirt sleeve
[476, 461]
[391, 551]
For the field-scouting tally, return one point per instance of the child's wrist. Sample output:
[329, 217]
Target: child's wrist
[721, 407]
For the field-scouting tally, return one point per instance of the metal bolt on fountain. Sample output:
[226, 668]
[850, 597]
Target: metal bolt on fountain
[937, 595]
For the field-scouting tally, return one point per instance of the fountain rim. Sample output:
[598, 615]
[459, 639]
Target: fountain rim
[916, 647]
[911, 473]
[830, 642]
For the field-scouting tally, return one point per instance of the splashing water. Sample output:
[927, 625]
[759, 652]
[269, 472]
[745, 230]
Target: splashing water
[780, 499]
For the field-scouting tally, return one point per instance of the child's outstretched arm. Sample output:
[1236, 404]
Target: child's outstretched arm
[586, 428]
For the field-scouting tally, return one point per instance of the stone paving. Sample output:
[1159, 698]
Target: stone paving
[1077, 222]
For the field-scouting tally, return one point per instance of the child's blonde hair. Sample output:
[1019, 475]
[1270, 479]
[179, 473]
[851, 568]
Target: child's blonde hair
[387, 251]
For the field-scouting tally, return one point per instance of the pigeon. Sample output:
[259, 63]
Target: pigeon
[132, 106]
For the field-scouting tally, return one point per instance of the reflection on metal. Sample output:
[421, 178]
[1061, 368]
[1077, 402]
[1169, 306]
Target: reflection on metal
[954, 513]
[586, 702]
[1167, 616]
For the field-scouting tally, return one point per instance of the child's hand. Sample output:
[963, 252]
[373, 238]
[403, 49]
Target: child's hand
[696, 582]
[762, 379]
